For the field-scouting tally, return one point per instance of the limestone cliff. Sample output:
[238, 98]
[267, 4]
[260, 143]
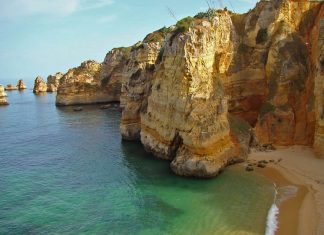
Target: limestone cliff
[39, 85]
[3, 95]
[217, 72]
[53, 82]
[21, 85]
[93, 82]
[200, 92]
[136, 83]
[319, 85]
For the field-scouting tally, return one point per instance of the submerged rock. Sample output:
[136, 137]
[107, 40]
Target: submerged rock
[3, 95]
[21, 85]
[39, 85]
[53, 82]
[77, 109]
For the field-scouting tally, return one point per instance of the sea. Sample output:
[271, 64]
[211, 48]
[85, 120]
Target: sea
[67, 172]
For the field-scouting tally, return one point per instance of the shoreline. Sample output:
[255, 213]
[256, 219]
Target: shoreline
[302, 213]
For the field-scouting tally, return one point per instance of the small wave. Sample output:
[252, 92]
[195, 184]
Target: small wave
[281, 195]
[272, 220]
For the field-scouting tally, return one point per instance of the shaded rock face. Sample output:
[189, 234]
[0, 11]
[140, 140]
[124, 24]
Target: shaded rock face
[136, 85]
[39, 85]
[93, 82]
[224, 76]
[3, 95]
[319, 88]
[21, 85]
[53, 82]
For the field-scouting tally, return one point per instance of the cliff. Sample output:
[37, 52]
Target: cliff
[3, 95]
[200, 93]
[93, 82]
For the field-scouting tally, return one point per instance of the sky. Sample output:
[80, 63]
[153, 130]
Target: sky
[42, 37]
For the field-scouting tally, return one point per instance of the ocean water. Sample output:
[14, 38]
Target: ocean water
[65, 172]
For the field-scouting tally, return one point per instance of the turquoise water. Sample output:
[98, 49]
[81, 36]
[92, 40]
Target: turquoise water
[65, 172]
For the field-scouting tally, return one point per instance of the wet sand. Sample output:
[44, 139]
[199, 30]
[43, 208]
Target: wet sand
[303, 213]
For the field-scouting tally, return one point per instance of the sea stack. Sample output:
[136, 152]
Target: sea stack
[40, 85]
[21, 85]
[53, 82]
[3, 95]
[10, 87]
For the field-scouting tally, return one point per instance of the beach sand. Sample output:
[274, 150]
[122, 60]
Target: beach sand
[303, 213]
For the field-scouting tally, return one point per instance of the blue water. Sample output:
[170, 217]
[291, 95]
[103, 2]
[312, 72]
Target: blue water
[65, 172]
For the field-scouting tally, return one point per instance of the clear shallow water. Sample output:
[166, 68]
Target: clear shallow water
[65, 172]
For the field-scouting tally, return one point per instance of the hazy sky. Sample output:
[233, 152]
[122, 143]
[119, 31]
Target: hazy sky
[41, 37]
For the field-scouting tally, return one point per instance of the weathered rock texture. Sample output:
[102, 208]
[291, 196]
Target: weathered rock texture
[53, 82]
[92, 82]
[201, 92]
[3, 95]
[319, 86]
[21, 85]
[39, 85]
[225, 72]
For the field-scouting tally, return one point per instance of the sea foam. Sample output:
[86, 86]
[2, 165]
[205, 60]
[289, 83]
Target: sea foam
[272, 219]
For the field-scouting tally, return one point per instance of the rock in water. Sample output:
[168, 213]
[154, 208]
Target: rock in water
[40, 85]
[3, 95]
[10, 87]
[21, 85]
[53, 82]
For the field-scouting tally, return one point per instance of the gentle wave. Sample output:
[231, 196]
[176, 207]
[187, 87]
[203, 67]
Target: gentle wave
[281, 194]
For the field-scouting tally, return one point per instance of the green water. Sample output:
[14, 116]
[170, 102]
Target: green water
[65, 172]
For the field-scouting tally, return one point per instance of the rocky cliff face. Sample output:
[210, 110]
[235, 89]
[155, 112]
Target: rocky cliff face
[39, 85]
[21, 85]
[3, 95]
[53, 82]
[319, 85]
[93, 82]
[136, 84]
[200, 92]
[226, 71]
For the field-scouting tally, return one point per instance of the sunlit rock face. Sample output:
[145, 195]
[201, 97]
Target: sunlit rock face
[40, 85]
[21, 85]
[93, 82]
[3, 96]
[201, 92]
[53, 82]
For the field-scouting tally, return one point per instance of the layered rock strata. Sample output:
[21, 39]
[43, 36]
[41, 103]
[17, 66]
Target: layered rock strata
[53, 82]
[21, 85]
[40, 85]
[3, 95]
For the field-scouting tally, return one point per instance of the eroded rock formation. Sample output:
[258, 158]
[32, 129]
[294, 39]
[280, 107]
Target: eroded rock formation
[39, 85]
[201, 92]
[93, 82]
[21, 85]
[53, 82]
[3, 95]
[11, 87]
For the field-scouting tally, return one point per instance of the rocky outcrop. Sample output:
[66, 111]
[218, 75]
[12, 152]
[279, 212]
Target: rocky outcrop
[10, 87]
[254, 68]
[137, 81]
[3, 95]
[201, 92]
[53, 82]
[92, 82]
[39, 85]
[21, 85]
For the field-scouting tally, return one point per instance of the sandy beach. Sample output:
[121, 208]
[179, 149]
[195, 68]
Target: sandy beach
[297, 166]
